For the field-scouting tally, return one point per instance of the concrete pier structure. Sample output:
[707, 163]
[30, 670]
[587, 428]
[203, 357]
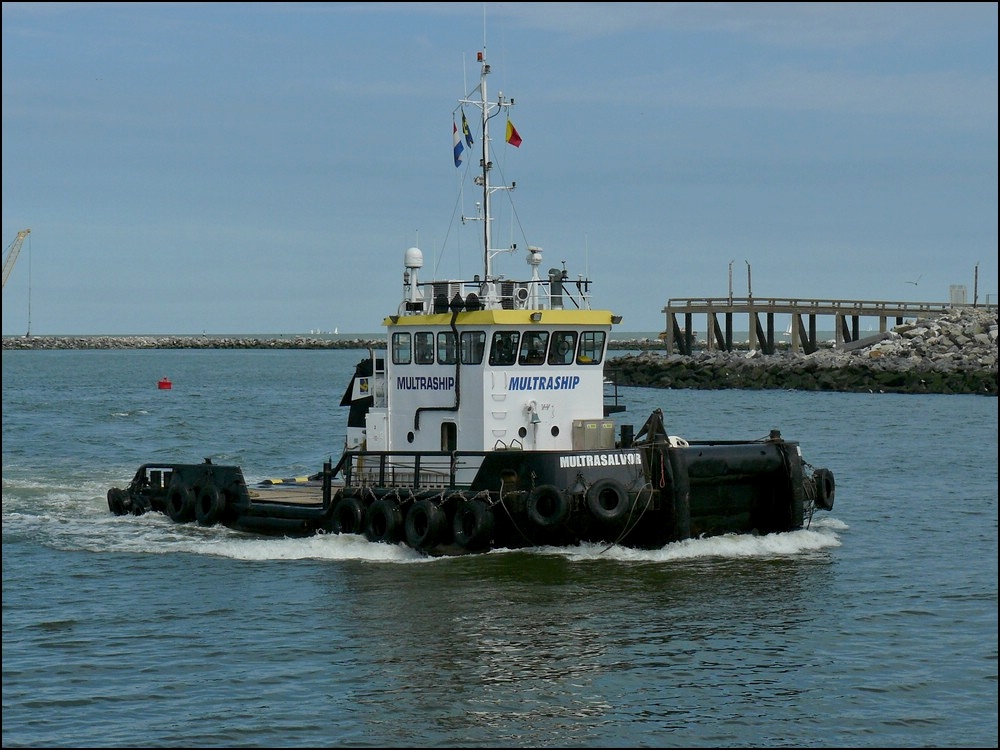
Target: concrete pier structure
[760, 312]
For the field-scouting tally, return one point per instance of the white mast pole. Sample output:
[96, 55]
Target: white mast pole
[485, 165]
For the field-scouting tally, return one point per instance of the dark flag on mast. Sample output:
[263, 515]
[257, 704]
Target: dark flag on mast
[465, 131]
[458, 144]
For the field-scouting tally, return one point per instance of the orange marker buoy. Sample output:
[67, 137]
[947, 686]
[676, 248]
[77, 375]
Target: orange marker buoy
[164, 384]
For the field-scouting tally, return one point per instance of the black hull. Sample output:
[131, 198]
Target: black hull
[645, 495]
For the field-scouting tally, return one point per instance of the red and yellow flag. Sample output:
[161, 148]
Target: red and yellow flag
[513, 137]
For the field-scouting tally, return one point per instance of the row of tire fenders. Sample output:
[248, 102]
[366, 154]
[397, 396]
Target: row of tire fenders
[424, 524]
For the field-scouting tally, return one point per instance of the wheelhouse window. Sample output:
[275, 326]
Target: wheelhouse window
[591, 348]
[473, 347]
[503, 348]
[533, 345]
[562, 349]
[401, 352]
[423, 345]
[447, 351]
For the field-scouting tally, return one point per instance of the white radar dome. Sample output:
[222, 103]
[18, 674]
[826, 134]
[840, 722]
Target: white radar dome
[413, 258]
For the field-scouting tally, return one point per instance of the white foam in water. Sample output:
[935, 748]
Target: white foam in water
[726, 546]
[318, 547]
[78, 518]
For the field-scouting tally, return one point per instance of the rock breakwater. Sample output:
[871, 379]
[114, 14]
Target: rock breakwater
[952, 353]
[185, 342]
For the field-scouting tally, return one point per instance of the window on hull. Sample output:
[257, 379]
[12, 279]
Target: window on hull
[533, 345]
[503, 349]
[591, 348]
[423, 345]
[447, 351]
[401, 351]
[473, 347]
[563, 348]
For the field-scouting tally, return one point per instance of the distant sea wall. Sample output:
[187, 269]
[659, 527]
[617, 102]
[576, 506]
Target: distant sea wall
[186, 342]
[952, 353]
[235, 342]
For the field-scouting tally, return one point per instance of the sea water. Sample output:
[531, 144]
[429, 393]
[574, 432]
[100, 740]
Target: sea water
[875, 626]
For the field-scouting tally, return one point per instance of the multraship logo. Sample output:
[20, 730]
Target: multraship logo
[427, 383]
[544, 383]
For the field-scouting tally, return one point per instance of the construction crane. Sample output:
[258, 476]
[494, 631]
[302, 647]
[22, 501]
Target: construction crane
[12, 252]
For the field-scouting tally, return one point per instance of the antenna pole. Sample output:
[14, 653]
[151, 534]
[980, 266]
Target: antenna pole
[29, 292]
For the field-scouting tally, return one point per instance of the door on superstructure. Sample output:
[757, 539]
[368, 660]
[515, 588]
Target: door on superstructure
[449, 436]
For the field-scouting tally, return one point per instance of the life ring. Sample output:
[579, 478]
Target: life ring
[180, 502]
[548, 506]
[608, 500]
[473, 524]
[385, 521]
[825, 488]
[348, 516]
[116, 501]
[425, 524]
[209, 506]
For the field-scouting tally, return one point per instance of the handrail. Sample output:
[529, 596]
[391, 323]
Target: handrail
[721, 304]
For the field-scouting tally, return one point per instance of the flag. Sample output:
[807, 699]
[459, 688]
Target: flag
[458, 144]
[465, 130]
[513, 138]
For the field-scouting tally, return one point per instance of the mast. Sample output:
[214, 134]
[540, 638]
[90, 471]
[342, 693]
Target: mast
[488, 110]
[484, 163]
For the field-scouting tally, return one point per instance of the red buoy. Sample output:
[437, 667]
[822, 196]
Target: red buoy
[164, 384]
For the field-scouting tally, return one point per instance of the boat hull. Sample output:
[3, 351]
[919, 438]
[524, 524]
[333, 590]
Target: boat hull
[644, 495]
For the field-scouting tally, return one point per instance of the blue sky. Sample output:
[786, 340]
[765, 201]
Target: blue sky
[261, 168]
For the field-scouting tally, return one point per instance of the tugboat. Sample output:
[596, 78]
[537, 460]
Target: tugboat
[484, 424]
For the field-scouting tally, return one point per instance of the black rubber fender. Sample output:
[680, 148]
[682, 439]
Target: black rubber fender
[473, 524]
[209, 505]
[826, 488]
[385, 521]
[180, 502]
[608, 500]
[116, 502]
[426, 524]
[348, 516]
[548, 506]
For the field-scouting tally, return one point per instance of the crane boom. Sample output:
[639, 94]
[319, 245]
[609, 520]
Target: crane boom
[12, 252]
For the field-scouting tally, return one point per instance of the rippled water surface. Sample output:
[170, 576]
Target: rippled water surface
[876, 626]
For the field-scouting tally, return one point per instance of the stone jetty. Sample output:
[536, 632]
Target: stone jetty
[187, 342]
[951, 353]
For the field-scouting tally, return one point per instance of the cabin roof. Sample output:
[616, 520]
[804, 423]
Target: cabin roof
[507, 317]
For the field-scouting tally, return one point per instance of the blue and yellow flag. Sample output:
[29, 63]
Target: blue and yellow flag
[465, 131]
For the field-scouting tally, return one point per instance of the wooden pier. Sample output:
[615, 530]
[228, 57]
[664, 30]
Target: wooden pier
[719, 312]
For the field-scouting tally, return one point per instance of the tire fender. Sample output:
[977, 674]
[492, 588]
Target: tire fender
[548, 506]
[209, 506]
[348, 516]
[180, 502]
[426, 523]
[385, 521]
[826, 488]
[473, 525]
[116, 502]
[608, 500]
